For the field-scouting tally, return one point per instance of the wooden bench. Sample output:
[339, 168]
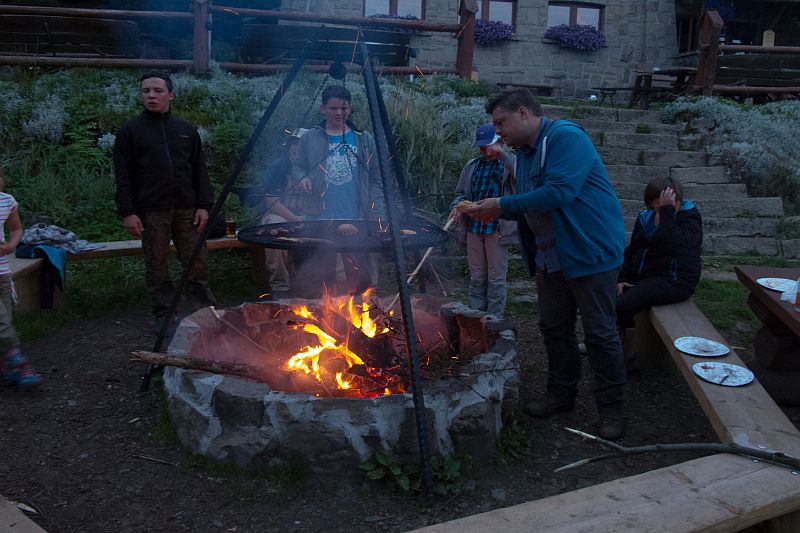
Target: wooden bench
[275, 43]
[27, 273]
[539, 89]
[719, 492]
[41, 35]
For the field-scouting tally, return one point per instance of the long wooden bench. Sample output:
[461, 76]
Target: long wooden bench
[720, 492]
[26, 273]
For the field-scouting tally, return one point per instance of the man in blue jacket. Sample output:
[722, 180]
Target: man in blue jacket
[573, 236]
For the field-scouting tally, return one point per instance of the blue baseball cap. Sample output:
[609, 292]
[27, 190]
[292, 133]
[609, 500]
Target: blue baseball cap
[485, 136]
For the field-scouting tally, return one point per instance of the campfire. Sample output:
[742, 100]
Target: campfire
[291, 352]
[339, 346]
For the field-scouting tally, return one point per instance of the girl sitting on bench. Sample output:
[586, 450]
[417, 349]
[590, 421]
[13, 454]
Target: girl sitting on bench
[662, 262]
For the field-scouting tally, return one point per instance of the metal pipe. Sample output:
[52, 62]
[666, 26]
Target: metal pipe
[379, 130]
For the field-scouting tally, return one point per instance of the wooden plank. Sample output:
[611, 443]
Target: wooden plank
[743, 415]
[14, 520]
[134, 247]
[716, 493]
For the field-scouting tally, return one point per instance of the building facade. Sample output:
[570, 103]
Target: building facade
[639, 34]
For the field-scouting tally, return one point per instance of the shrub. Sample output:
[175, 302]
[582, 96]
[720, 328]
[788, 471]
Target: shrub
[492, 32]
[580, 37]
[757, 143]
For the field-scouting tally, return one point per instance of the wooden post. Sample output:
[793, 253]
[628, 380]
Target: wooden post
[710, 29]
[200, 50]
[466, 37]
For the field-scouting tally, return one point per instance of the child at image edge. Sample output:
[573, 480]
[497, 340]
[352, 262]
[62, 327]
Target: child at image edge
[16, 369]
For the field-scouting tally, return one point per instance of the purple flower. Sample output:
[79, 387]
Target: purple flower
[577, 37]
[492, 32]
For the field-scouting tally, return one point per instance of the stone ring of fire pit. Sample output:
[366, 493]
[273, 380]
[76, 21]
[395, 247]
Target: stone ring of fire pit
[252, 424]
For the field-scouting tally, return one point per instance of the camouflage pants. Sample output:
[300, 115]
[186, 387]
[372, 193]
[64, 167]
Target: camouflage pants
[159, 228]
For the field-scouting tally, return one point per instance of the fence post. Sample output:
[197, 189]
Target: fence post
[710, 29]
[466, 37]
[200, 50]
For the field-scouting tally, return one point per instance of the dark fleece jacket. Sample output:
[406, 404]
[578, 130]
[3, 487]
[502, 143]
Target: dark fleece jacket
[159, 164]
[670, 250]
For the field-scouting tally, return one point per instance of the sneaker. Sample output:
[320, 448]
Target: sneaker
[612, 425]
[547, 406]
[19, 372]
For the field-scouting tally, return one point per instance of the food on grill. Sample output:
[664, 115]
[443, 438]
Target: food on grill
[347, 230]
[408, 232]
[280, 232]
[464, 206]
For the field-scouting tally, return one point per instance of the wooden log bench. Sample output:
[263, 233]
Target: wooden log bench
[26, 273]
[539, 89]
[721, 492]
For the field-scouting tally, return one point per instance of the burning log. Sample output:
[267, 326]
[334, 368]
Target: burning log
[244, 370]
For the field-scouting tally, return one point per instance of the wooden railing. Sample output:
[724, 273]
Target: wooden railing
[763, 77]
[199, 17]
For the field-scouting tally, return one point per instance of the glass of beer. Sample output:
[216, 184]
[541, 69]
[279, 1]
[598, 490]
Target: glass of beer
[230, 227]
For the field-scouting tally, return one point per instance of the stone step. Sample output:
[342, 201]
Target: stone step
[632, 141]
[635, 173]
[725, 245]
[724, 208]
[686, 175]
[730, 227]
[655, 158]
[592, 124]
[603, 113]
[719, 191]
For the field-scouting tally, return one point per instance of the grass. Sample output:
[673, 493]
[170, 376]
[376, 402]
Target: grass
[724, 303]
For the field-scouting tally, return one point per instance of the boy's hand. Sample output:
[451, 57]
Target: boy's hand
[622, 286]
[455, 214]
[486, 210]
[133, 224]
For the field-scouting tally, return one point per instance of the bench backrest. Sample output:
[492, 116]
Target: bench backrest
[758, 70]
[68, 36]
[274, 43]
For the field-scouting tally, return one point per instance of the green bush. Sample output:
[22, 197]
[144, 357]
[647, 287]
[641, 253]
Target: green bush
[57, 132]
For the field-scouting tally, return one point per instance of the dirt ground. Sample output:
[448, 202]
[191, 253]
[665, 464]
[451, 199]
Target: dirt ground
[86, 451]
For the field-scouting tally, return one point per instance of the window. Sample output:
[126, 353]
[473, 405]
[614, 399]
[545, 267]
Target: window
[500, 10]
[574, 13]
[395, 7]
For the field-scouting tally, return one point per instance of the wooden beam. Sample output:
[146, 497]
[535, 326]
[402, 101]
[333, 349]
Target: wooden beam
[93, 13]
[200, 49]
[420, 25]
[710, 30]
[759, 49]
[466, 37]
[384, 69]
[46, 61]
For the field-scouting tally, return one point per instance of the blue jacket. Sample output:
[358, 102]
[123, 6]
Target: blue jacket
[571, 183]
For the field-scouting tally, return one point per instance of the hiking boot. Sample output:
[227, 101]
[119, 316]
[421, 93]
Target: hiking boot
[612, 424]
[19, 372]
[547, 406]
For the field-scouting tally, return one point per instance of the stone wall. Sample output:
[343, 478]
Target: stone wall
[638, 33]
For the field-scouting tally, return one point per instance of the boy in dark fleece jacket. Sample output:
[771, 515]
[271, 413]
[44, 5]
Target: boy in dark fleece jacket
[662, 262]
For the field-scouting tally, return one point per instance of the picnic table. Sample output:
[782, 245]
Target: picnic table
[777, 343]
[653, 84]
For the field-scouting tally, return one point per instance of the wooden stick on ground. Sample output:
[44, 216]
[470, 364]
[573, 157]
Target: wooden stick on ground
[777, 458]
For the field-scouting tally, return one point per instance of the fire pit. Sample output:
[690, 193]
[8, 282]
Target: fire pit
[327, 380]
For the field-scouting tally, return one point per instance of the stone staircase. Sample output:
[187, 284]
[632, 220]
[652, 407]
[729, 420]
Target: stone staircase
[637, 147]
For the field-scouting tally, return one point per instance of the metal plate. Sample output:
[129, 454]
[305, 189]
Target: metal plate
[723, 373]
[701, 347]
[777, 284]
[371, 236]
